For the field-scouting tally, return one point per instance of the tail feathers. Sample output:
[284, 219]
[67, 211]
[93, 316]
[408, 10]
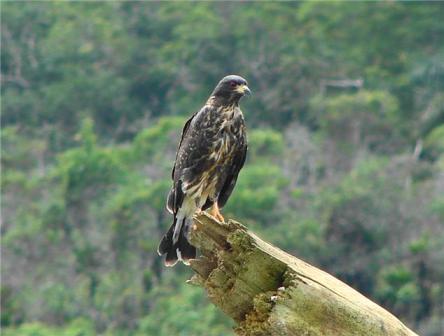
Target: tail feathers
[179, 248]
[167, 242]
[171, 257]
[187, 251]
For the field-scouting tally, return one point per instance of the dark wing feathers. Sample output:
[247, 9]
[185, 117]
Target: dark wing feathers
[191, 158]
[195, 149]
[184, 132]
[175, 196]
[230, 182]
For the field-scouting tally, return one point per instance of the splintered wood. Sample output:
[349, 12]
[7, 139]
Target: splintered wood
[269, 292]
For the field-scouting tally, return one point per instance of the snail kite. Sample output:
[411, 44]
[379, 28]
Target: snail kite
[211, 153]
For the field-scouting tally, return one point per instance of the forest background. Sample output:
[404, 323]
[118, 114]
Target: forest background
[345, 166]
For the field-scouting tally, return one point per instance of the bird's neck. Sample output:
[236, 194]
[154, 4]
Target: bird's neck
[222, 101]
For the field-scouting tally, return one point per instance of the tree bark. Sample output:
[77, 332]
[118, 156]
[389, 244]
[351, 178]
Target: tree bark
[269, 292]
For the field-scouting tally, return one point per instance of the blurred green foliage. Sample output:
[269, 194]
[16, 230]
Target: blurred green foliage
[345, 163]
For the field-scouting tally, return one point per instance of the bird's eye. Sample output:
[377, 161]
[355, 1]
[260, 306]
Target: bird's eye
[233, 84]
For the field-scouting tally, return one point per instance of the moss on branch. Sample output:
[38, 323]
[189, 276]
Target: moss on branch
[269, 292]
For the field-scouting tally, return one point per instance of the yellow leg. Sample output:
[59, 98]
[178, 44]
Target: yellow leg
[198, 212]
[216, 213]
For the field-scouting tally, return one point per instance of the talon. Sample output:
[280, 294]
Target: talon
[220, 217]
[216, 213]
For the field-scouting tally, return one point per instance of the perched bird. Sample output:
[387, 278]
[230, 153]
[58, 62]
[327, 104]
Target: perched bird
[211, 153]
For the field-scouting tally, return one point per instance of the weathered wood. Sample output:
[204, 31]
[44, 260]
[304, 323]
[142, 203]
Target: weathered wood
[269, 292]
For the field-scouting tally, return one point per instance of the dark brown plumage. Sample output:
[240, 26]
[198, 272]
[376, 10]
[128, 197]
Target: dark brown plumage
[211, 153]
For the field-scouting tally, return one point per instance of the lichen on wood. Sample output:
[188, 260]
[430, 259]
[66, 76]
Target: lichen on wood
[269, 292]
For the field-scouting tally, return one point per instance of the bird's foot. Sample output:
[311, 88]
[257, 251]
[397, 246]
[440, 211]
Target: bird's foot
[216, 213]
[220, 218]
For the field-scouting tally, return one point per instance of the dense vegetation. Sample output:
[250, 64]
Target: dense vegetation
[345, 167]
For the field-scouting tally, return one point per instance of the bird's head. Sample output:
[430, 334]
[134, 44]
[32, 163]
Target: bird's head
[231, 89]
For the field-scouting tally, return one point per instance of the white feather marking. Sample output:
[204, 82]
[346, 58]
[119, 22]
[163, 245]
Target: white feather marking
[177, 228]
[185, 212]
[179, 255]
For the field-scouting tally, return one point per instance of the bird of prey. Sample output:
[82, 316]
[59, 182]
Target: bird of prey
[211, 153]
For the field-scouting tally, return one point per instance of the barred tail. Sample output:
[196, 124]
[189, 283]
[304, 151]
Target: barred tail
[175, 242]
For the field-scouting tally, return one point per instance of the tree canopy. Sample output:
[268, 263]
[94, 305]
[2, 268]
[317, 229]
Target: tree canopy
[345, 163]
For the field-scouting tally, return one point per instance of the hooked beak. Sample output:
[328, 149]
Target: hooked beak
[244, 90]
